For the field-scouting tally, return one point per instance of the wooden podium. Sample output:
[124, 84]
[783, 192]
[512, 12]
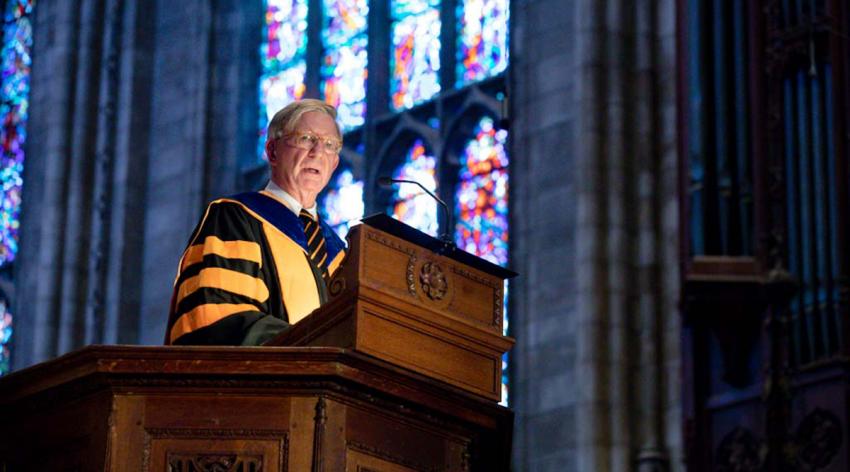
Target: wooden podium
[405, 297]
[407, 379]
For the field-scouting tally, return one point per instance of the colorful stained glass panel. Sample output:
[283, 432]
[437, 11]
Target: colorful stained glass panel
[415, 54]
[16, 61]
[410, 204]
[342, 206]
[343, 71]
[481, 196]
[5, 338]
[14, 86]
[482, 39]
[282, 55]
[285, 38]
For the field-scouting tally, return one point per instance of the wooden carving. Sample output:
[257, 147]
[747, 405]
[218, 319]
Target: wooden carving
[242, 409]
[432, 281]
[206, 462]
[319, 434]
[819, 438]
[397, 300]
[740, 451]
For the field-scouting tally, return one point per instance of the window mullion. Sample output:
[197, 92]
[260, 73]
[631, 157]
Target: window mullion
[315, 18]
[448, 44]
[377, 86]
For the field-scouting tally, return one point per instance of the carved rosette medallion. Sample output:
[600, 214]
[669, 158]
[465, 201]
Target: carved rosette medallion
[336, 286]
[433, 281]
[819, 437]
[740, 451]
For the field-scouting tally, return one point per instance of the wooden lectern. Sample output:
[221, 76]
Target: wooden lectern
[398, 298]
[399, 372]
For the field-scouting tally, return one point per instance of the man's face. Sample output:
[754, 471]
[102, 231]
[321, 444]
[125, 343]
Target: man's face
[302, 169]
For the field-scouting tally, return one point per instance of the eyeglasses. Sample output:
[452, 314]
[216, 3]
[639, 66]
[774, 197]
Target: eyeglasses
[307, 141]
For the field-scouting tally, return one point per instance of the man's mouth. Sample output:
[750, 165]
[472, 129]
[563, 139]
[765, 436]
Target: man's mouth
[310, 170]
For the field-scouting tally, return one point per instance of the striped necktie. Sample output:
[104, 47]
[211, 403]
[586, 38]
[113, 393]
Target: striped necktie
[315, 242]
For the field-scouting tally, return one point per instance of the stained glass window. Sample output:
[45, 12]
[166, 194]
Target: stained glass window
[482, 39]
[410, 204]
[17, 43]
[415, 53]
[505, 356]
[481, 197]
[5, 338]
[342, 205]
[343, 71]
[282, 53]
[481, 205]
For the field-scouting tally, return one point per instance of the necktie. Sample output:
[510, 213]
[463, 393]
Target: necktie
[315, 242]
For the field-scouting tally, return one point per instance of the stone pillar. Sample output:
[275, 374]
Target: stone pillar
[544, 111]
[594, 231]
[204, 123]
[85, 134]
[627, 239]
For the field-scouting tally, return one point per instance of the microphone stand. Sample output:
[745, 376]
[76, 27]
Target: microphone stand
[446, 243]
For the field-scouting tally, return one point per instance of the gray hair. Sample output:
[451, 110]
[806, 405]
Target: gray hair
[285, 120]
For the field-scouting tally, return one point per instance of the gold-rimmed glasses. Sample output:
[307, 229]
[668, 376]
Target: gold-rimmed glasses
[307, 141]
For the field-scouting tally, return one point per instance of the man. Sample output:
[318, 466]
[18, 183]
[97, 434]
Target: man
[259, 261]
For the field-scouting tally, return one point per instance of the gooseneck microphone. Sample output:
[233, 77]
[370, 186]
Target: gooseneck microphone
[387, 182]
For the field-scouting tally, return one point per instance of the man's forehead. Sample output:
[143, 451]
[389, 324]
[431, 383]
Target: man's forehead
[316, 117]
[318, 122]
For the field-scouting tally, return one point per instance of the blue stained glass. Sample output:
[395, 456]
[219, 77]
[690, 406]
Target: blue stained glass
[343, 71]
[482, 41]
[282, 54]
[285, 38]
[410, 204]
[5, 338]
[16, 62]
[415, 52]
[506, 356]
[481, 196]
[17, 9]
[342, 205]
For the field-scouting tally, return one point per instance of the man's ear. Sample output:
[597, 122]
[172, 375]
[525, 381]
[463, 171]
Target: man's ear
[270, 155]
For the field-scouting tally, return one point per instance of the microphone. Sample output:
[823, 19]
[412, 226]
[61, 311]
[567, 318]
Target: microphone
[387, 182]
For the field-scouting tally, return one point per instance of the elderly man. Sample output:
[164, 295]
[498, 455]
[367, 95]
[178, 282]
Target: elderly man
[259, 261]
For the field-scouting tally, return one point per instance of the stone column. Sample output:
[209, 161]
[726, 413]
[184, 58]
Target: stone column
[73, 226]
[544, 111]
[626, 242]
[204, 124]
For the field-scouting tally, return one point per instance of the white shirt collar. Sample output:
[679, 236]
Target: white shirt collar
[290, 201]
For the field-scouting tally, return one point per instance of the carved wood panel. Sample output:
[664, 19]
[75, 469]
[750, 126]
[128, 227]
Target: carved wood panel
[381, 442]
[232, 409]
[440, 284]
[206, 462]
[357, 461]
[215, 450]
